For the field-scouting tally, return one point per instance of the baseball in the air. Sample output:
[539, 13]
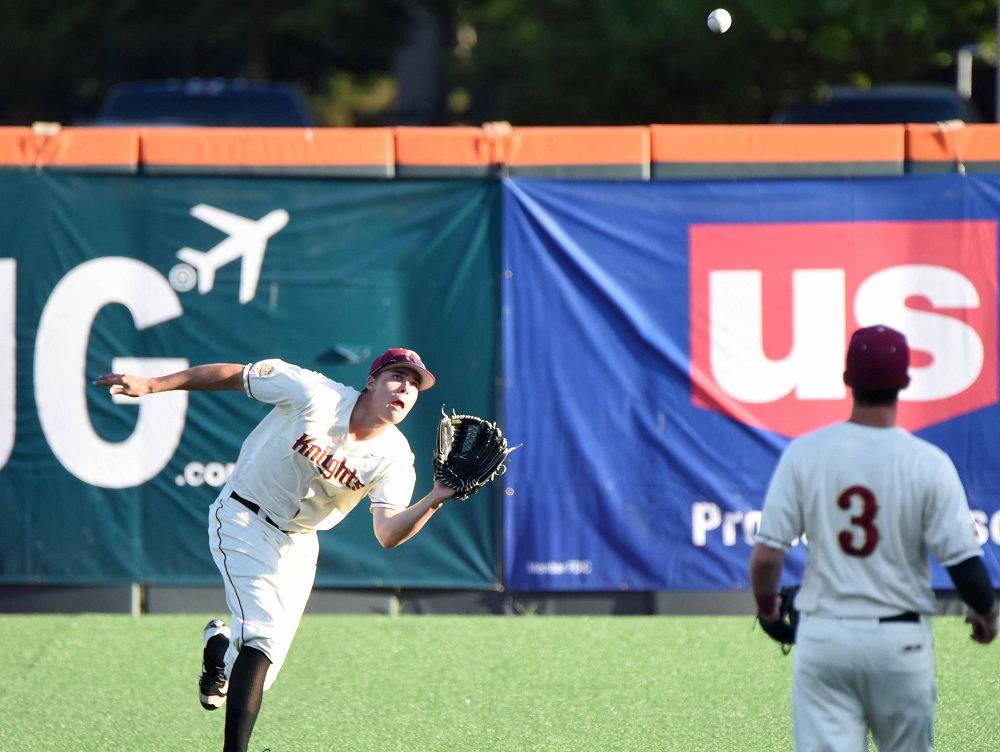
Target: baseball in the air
[719, 20]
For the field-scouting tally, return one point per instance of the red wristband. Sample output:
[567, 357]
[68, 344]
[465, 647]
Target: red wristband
[767, 604]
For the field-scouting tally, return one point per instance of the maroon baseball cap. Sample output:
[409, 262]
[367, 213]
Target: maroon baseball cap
[877, 358]
[405, 357]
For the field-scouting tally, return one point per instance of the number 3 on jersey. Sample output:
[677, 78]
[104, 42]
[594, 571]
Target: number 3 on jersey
[864, 520]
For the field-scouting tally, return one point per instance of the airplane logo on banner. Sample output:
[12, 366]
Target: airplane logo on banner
[247, 240]
[773, 306]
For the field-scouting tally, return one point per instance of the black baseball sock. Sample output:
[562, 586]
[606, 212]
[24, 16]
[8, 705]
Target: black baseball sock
[246, 690]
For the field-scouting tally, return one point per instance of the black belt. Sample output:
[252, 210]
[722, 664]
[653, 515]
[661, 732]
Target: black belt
[907, 616]
[255, 508]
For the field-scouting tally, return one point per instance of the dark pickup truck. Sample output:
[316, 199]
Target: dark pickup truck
[904, 103]
[199, 102]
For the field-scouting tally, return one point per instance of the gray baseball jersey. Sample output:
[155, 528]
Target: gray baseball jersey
[872, 502]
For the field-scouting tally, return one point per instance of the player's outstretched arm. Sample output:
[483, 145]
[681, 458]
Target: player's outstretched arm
[393, 527]
[207, 378]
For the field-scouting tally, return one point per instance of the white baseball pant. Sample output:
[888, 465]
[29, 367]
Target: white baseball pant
[268, 576]
[852, 674]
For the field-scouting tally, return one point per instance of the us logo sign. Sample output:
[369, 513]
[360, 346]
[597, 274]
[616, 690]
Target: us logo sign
[773, 306]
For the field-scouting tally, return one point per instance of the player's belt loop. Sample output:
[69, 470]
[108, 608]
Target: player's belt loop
[907, 616]
[254, 508]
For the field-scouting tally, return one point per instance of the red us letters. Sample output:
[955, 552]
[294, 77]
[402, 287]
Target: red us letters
[772, 306]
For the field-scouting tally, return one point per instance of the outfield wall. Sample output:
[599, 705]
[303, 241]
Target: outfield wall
[653, 311]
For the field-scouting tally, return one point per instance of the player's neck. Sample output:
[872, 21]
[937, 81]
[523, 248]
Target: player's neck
[882, 416]
[364, 423]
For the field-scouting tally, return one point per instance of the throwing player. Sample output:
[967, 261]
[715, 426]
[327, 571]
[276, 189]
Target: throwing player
[872, 500]
[323, 448]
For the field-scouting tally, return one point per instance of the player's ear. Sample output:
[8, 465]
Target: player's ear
[847, 381]
[371, 383]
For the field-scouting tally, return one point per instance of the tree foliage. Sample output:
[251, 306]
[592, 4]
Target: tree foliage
[531, 62]
[654, 61]
[61, 56]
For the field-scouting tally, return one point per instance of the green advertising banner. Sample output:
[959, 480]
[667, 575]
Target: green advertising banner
[107, 273]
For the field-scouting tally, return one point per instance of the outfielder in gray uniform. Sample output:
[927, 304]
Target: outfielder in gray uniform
[872, 501]
[320, 451]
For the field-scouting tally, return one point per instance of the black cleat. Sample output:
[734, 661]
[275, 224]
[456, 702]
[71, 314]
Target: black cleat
[213, 684]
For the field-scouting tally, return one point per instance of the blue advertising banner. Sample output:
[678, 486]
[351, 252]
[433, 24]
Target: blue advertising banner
[103, 274]
[664, 341]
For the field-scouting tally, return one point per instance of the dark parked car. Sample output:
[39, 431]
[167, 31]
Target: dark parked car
[205, 102]
[905, 103]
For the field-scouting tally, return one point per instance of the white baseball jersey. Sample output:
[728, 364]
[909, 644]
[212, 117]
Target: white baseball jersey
[299, 465]
[871, 502]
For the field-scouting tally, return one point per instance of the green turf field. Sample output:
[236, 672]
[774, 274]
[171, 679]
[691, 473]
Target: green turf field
[436, 683]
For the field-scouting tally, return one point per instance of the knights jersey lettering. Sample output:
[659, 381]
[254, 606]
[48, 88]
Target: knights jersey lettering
[299, 465]
[326, 460]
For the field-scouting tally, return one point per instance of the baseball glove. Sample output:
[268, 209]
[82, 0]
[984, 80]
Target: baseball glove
[470, 453]
[783, 629]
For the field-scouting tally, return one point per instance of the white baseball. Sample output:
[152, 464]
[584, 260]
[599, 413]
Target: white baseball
[719, 20]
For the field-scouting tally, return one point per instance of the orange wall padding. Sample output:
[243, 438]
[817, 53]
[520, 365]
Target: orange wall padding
[590, 151]
[363, 152]
[49, 146]
[586, 145]
[463, 149]
[498, 149]
[942, 148]
[865, 149]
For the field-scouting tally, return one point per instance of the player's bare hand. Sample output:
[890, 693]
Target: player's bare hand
[441, 493]
[984, 628]
[125, 383]
[769, 618]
